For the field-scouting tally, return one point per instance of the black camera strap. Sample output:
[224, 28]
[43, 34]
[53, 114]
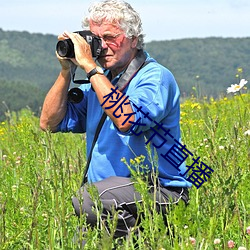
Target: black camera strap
[136, 64]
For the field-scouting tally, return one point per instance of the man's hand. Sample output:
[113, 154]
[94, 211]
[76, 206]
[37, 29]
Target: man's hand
[83, 54]
[66, 63]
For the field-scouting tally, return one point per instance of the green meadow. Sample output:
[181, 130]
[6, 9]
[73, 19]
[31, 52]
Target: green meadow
[40, 172]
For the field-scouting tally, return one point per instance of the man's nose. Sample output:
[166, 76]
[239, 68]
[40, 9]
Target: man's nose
[104, 44]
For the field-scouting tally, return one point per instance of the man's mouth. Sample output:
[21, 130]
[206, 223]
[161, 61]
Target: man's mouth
[104, 56]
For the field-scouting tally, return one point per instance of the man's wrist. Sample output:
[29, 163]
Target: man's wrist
[96, 70]
[65, 73]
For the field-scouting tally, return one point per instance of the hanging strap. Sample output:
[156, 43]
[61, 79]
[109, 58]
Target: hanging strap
[136, 64]
[97, 132]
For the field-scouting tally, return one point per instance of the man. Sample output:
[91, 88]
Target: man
[141, 100]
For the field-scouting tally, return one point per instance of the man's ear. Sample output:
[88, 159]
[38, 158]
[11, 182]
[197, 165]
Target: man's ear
[134, 42]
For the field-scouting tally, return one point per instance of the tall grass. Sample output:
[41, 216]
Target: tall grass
[40, 172]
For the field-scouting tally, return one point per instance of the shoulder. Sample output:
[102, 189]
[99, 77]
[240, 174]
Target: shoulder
[153, 70]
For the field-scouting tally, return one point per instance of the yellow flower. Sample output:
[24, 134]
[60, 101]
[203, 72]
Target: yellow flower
[138, 160]
[183, 113]
[132, 162]
[240, 70]
[195, 105]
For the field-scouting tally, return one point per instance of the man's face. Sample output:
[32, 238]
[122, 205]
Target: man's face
[118, 50]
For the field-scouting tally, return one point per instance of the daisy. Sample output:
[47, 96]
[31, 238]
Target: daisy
[246, 133]
[237, 87]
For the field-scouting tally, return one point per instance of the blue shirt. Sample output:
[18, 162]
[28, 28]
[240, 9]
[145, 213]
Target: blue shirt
[152, 91]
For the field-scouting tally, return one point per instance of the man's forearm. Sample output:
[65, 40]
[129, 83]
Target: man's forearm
[55, 103]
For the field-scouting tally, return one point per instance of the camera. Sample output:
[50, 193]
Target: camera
[65, 48]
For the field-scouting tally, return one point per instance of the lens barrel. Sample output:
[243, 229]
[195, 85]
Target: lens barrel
[65, 48]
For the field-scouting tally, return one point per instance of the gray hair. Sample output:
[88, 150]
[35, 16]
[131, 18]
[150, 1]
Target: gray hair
[120, 13]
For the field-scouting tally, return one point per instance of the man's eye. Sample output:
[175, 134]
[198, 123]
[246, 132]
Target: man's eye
[108, 37]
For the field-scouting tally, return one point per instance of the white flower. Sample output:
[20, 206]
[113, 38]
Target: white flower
[192, 240]
[221, 147]
[216, 241]
[22, 210]
[247, 132]
[242, 248]
[237, 87]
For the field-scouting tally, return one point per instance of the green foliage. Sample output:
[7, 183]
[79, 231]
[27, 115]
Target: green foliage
[210, 61]
[14, 95]
[40, 172]
[26, 57]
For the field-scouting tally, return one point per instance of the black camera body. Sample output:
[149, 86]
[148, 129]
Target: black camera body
[65, 48]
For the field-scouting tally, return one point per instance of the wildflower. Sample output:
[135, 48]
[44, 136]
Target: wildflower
[242, 248]
[14, 188]
[137, 160]
[45, 216]
[195, 105]
[230, 244]
[240, 70]
[132, 162]
[123, 160]
[248, 230]
[221, 147]
[192, 240]
[247, 133]
[22, 210]
[237, 87]
[216, 241]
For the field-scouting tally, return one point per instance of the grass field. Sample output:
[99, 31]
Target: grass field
[40, 172]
